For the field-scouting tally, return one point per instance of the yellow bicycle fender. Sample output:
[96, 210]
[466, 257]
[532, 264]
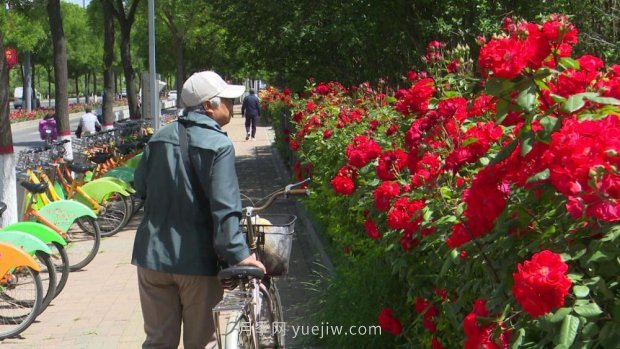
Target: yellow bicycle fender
[123, 173]
[122, 183]
[63, 213]
[27, 242]
[38, 230]
[12, 257]
[99, 190]
[134, 161]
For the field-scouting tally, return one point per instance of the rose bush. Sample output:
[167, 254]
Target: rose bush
[499, 194]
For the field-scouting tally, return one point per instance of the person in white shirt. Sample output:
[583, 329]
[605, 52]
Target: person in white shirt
[89, 123]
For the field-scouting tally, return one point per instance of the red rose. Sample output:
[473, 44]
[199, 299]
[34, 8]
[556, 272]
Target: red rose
[388, 322]
[372, 230]
[343, 185]
[541, 284]
[384, 194]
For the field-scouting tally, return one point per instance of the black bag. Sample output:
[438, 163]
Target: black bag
[78, 131]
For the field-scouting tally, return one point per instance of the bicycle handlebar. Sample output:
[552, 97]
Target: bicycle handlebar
[249, 211]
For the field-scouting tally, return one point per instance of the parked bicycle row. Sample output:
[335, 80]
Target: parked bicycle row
[68, 206]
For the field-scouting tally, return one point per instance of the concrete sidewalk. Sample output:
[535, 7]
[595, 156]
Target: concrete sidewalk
[100, 308]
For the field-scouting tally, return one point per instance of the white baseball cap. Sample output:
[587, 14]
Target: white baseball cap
[203, 86]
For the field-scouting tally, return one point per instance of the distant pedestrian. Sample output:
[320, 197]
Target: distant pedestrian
[250, 109]
[89, 124]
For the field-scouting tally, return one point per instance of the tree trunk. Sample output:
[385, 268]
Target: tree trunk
[94, 74]
[86, 88]
[8, 186]
[33, 101]
[109, 79]
[125, 20]
[27, 86]
[130, 85]
[49, 89]
[77, 88]
[60, 74]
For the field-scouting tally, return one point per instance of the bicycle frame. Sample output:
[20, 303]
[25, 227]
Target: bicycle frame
[240, 310]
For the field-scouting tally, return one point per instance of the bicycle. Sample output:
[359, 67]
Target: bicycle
[250, 313]
[21, 289]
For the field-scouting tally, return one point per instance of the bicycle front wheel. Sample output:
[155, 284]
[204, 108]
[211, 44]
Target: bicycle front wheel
[21, 294]
[83, 240]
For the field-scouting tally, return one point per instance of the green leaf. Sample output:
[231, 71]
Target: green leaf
[445, 192]
[598, 256]
[612, 234]
[568, 331]
[604, 100]
[527, 98]
[505, 152]
[581, 291]
[559, 315]
[501, 110]
[549, 124]
[569, 63]
[588, 310]
[519, 339]
[498, 87]
[540, 176]
[558, 98]
[573, 104]
[527, 144]
[469, 141]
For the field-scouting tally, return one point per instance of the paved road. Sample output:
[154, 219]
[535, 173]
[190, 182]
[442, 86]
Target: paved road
[99, 307]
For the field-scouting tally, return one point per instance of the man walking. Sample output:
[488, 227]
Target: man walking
[191, 217]
[250, 109]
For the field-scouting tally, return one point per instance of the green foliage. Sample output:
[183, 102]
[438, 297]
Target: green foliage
[362, 276]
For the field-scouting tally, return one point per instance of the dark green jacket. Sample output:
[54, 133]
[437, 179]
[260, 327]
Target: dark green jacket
[177, 235]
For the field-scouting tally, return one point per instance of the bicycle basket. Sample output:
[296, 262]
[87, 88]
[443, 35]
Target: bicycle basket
[275, 242]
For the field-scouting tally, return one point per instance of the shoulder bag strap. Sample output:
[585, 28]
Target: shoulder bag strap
[190, 170]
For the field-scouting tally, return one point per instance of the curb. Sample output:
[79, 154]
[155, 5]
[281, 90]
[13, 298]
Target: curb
[314, 238]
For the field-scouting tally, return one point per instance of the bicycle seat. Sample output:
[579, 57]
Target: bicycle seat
[241, 272]
[2, 207]
[80, 168]
[37, 188]
[100, 158]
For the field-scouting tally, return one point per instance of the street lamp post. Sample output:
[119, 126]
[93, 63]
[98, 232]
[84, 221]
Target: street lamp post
[152, 70]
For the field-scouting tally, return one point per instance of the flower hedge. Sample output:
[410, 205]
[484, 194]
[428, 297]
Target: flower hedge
[495, 198]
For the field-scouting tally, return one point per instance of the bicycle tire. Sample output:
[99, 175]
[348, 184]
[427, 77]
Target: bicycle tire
[235, 337]
[14, 319]
[48, 277]
[278, 313]
[118, 212]
[83, 241]
[61, 262]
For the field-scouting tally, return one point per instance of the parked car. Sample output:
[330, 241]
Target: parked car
[172, 95]
[18, 98]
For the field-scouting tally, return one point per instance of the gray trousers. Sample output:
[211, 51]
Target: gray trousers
[169, 300]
